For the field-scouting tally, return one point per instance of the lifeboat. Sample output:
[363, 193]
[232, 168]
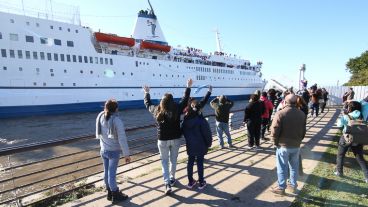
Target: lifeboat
[114, 39]
[155, 46]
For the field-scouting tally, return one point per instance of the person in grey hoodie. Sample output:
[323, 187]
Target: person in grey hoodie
[113, 141]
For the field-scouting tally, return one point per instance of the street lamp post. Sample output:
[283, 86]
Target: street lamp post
[301, 77]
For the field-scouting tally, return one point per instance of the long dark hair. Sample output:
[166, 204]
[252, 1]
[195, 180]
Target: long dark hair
[191, 111]
[110, 107]
[166, 108]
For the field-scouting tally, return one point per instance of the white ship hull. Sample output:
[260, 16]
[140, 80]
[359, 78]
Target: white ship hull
[37, 78]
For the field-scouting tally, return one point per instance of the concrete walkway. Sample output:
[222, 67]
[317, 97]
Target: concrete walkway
[235, 177]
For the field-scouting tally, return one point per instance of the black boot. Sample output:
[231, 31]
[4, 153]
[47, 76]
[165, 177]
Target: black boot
[109, 194]
[118, 196]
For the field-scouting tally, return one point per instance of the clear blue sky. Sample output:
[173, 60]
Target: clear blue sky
[284, 34]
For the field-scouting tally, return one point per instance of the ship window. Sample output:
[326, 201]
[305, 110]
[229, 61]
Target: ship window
[106, 61]
[42, 55]
[43, 40]
[68, 58]
[91, 72]
[153, 74]
[65, 71]
[28, 55]
[57, 42]
[136, 63]
[3, 53]
[74, 84]
[85, 59]
[12, 21]
[111, 61]
[90, 59]
[48, 56]
[11, 53]
[34, 83]
[56, 57]
[27, 23]
[81, 71]
[37, 25]
[51, 27]
[62, 58]
[74, 58]
[20, 54]
[123, 73]
[44, 84]
[1, 35]
[101, 60]
[131, 73]
[61, 84]
[20, 69]
[80, 58]
[37, 70]
[52, 74]
[70, 43]
[5, 68]
[96, 60]
[13, 37]
[76, 31]
[68, 29]
[35, 56]
[51, 70]
[60, 28]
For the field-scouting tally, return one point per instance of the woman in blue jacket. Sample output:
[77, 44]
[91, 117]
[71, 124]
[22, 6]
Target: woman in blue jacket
[198, 139]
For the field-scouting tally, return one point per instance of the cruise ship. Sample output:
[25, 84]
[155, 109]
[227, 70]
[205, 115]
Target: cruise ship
[53, 67]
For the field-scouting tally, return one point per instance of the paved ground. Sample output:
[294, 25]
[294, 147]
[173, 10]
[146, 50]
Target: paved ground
[236, 177]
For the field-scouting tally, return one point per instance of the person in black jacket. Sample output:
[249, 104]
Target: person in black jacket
[222, 107]
[167, 116]
[253, 119]
[198, 139]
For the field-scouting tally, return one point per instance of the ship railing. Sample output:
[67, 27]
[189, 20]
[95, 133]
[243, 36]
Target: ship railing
[39, 172]
[52, 11]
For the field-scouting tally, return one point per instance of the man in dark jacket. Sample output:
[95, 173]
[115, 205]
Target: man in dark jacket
[222, 107]
[287, 130]
[253, 119]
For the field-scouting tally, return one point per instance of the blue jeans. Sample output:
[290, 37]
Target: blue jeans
[287, 158]
[221, 128]
[168, 151]
[110, 161]
[200, 169]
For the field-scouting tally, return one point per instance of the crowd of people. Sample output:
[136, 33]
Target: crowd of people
[282, 114]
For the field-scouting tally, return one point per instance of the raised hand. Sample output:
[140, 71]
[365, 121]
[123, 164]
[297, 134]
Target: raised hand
[210, 88]
[146, 89]
[189, 83]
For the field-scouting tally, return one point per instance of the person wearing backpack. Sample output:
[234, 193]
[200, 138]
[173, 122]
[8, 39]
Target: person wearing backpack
[111, 132]
[198, 138]
[353, 113]
[167, 117]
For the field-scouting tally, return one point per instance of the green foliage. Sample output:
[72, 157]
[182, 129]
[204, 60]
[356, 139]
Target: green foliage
[358, 67]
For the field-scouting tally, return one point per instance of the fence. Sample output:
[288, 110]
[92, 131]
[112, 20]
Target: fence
[336, 93]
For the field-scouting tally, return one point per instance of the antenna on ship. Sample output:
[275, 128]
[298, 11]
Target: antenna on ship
[153, 12]
[218, 41]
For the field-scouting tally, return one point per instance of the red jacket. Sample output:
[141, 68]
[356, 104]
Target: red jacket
[268, 106]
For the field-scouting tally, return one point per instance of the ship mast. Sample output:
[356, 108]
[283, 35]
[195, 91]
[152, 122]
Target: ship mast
[151, 8]
[218, 41]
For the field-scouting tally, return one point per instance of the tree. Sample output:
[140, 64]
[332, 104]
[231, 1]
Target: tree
[358, 67]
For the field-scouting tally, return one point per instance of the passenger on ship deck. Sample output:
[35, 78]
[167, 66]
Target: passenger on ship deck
[111, 132]
[167, 116]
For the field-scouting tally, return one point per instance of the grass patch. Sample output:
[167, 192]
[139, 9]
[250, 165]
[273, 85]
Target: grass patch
[323, 188]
